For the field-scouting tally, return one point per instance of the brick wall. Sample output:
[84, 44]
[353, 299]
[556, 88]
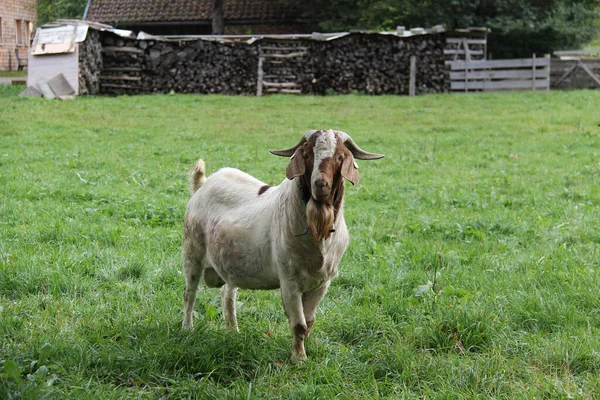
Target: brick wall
[17, 26]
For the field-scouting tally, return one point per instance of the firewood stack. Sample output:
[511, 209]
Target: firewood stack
[379, 64]
[90, 63]
[200, 66]
[354, 63]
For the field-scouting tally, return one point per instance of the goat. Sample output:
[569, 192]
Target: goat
[242, 233]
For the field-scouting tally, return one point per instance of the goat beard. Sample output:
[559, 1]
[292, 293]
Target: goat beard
[320, 217]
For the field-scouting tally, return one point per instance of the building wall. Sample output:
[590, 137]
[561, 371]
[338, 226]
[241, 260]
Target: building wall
[48, 66]
[17, 26]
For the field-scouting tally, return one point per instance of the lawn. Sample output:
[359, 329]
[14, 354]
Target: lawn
[473, 269]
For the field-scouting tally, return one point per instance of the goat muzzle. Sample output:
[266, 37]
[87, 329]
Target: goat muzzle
[321, 190]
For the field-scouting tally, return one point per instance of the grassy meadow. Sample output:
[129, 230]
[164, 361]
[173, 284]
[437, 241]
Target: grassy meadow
[473, 269]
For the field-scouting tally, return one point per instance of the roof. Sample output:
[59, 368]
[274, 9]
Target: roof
[112, 11]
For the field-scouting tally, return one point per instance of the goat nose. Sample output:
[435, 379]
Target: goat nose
[321, 183]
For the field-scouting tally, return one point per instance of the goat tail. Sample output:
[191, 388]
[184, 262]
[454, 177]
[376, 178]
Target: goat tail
[197, 176]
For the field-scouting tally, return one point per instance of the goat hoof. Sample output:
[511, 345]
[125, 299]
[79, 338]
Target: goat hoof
[299, 359]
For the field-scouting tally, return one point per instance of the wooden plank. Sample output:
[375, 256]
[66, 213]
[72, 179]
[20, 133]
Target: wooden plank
[280, 85]
[123, 69]
[590, 73]
[120, 78]
[466, 63]
[413, 76]
[462, 51]
[493, 85]
[547, 58]
[293, 48]
[289, 91]
[533, 60]
[282, 90]
[111, 85]
[467, 51]
[465, 40]
[490, 64]
[124, 49]
[289, 55]
[267, 77]
[259, 83]
[499, 74]
[563, 53]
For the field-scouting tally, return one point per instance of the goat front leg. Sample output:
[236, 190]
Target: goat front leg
[228, 295]
[310, 302]
[292, 304]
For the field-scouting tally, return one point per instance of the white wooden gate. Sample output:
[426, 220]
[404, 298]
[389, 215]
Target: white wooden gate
[513, 74]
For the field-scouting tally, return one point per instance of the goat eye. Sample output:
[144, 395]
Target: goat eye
[340, 158]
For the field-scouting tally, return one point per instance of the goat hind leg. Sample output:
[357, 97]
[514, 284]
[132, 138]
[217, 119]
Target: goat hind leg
[192, 268]
[228, 296]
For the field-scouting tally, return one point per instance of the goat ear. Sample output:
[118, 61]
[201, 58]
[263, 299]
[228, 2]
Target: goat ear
[350, 169]
[297, 165]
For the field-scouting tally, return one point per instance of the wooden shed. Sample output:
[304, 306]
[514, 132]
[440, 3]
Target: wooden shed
[59, 48]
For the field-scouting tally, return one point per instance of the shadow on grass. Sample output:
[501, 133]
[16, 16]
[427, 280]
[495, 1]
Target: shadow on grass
[159, 353]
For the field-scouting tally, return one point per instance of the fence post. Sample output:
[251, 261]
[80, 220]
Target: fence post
[259, 80]
[533, 73]
[412, 83]
[466, 75]
[547, 57]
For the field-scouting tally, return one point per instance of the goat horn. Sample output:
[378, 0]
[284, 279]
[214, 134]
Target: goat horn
[290, 151]
[356, 151]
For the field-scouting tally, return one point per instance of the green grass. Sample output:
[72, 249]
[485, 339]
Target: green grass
[473, 269]
[13, 74]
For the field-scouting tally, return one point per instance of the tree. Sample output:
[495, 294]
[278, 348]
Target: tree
[519, 27]
[51, 10]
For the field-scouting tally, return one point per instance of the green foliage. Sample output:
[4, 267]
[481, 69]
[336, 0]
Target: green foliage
[519, 27]
[472, 270]
[51, 10]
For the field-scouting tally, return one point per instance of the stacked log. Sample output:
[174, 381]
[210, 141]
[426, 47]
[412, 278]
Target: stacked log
[355, 63]
[379, 64]
[200, 66]
[122, 65]
[90, 63]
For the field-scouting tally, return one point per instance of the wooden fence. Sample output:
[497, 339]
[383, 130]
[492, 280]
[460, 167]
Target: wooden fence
[575, 74]
[514, 74]
[465, 49]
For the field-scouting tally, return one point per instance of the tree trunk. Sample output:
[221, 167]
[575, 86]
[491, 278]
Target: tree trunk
[218, 18]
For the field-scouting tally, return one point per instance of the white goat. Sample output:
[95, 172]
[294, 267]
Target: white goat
[241, 233]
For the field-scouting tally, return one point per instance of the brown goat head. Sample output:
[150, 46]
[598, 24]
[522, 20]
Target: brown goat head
[321, 161]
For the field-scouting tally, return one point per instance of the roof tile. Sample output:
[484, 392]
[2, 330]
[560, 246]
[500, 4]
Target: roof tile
[111, 11]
